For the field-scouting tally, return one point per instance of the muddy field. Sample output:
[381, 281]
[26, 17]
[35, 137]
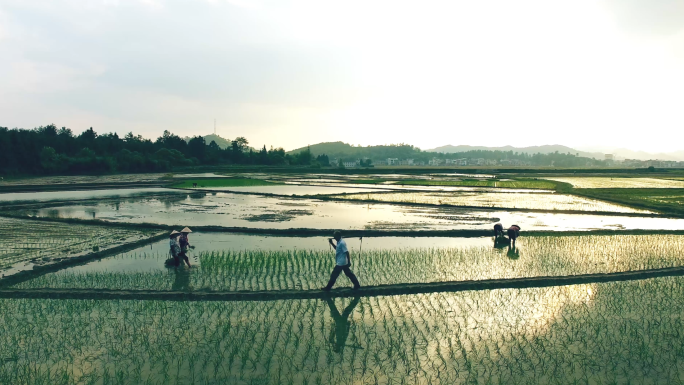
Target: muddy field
[73, 244]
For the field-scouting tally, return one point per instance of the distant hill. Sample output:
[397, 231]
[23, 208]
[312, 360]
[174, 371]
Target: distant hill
[560, 156]
[624, 153]
[222, 143]
[340, 150]
[326, 148]
[547, 149]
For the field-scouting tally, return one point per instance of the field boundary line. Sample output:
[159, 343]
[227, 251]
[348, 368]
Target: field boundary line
[368, 291]
[312, 232]
[19, 188]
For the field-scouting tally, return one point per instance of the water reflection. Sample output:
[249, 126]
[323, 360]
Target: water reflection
[340, 333]
[181, 280]
[242, 210]
[53, 214]
[501, 242]
[170, 200]
[197, 195]
[513, 252]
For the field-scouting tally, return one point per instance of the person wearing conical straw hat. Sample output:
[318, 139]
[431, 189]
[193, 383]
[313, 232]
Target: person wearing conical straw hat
[185, 244]
[174, 246]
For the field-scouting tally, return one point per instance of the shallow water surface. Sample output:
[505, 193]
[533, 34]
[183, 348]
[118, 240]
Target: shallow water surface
[293, 189]
[46, 196]
[254, 211]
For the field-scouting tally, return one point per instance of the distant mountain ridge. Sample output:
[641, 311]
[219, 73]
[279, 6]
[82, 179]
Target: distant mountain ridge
[547, 149]
[345, 150]
[624, 153]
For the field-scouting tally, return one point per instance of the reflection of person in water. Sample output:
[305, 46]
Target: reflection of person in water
[512, 252]
[501, 243]
[181, 280]
[338, 336]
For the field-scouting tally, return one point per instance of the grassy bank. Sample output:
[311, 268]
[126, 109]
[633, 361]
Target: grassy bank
[666, 201]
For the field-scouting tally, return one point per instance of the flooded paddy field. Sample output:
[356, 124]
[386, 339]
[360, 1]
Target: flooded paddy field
[559, 202]
[151, 257]
[29, 243]
[286, 264]
[267, 212]
[291, 189]
[606, 182]
[616, 332]
[77, 195]
[394, 186]
[621, 332]
[82, 179]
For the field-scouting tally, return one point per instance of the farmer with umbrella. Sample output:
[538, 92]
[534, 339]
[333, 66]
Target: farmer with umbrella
[342, 262]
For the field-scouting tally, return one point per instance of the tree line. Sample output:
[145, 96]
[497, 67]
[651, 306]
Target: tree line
[52, 150]
[345, 152]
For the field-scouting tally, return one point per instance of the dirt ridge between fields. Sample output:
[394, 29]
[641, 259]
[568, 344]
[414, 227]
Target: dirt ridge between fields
[368, 291]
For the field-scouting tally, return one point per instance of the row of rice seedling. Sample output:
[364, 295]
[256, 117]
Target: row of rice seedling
[515, 201]
[605, 182]
[623, 332]
[310, 269]
[26, 240]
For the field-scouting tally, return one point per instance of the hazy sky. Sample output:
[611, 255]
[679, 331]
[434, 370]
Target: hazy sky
[292, 73]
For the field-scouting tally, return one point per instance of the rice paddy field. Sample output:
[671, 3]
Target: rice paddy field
[561, 202]
[622, 332]
[307, 269]
[125, 316]
[281, 213]
[604, 182]
[26, 243]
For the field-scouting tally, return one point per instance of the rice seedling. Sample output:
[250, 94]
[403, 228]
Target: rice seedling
[309, 269]
[498, 200]
[33, 241]
[601, 333]
[669, 201]
[605, 182]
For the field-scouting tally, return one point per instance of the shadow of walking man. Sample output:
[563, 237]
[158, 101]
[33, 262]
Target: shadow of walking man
[338, 335]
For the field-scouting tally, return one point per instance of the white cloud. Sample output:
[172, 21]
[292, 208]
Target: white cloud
[429, 73]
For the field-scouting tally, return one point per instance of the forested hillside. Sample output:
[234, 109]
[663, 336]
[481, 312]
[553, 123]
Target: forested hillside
[49, 150]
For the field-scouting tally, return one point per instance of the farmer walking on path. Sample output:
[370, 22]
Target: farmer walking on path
[342, 262]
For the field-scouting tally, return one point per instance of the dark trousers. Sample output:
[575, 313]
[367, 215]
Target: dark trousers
[336, 273]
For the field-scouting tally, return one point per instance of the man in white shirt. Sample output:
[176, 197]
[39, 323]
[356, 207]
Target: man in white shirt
[342, 262]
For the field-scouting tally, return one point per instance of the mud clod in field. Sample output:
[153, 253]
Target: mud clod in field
[277, 216]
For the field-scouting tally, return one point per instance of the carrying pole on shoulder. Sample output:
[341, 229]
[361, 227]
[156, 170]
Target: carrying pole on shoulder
[360, 253]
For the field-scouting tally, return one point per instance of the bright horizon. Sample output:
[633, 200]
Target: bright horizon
[585, 74]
